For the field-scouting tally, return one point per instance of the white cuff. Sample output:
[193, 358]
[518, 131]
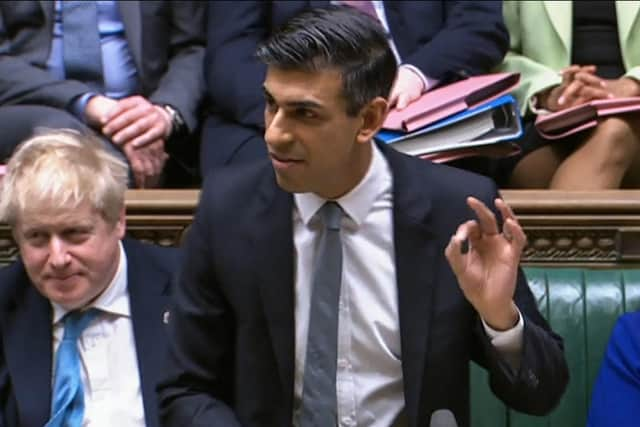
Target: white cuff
[509, 341]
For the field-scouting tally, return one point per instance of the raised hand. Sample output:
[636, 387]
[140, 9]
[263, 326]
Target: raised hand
[487, 272]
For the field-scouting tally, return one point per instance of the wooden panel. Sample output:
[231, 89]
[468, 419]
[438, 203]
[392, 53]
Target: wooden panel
[564, 228]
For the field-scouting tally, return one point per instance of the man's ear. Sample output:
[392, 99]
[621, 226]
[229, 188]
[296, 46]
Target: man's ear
[373, 115]
[121, 224]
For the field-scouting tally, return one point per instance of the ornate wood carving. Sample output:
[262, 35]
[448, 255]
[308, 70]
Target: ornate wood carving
[563, 228]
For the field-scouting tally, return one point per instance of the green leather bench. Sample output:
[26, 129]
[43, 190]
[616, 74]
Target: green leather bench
[581, 305]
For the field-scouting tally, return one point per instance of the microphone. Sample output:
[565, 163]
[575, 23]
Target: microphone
[443, 418]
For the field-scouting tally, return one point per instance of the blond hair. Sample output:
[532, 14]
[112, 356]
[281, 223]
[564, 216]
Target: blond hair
[59, 170]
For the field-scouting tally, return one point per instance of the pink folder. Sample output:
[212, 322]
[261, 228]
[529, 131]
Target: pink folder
[3, 170]
[450, 99]
[575, 119]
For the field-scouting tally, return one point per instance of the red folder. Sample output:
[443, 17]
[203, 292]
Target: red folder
[585, 116]
[450, 99]
[495, 150]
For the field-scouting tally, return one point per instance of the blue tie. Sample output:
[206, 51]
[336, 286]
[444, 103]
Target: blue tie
[67, 406]
[82, 52]
[319, 399]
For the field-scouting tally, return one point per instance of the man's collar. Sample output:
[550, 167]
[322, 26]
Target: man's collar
[356, 203]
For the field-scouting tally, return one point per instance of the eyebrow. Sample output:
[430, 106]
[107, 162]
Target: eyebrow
[295, 104]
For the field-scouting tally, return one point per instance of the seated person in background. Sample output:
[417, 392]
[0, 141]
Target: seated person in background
[340, 291]
[81, 311]
[435, 42]
[602, 41]
[615, 401]
[131, 71]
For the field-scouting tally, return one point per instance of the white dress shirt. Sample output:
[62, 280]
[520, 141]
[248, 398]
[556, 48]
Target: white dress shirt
[109, 365]
[369, 367]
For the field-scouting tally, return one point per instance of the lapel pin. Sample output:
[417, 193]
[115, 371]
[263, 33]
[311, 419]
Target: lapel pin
[165, 317]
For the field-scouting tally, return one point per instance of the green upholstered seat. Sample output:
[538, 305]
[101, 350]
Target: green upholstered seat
[582, 305]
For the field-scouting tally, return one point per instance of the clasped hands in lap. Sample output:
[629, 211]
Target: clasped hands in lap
[139, 127]
[580, 84]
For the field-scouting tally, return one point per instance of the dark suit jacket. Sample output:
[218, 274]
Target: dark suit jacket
[232, 323]
[26, 337]
[444, 39]
[166, 39]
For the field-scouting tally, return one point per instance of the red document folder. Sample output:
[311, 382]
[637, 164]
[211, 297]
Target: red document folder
[585, 116]
[495, 150]
[450, 99]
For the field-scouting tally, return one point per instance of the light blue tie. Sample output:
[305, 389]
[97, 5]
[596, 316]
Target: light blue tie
[67, 405]
[82, 52]
[319, 400]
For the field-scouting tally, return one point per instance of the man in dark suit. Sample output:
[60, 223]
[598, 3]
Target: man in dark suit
[63, 196]
[149, 85]
[258, 290]
[435, 42]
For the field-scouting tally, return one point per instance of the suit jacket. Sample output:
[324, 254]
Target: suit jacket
[26, 335]
[444, 39]
[166, 40]
[540, 38]
[616, 393]
[232, 323]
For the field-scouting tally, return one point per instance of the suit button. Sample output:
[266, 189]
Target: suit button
[532, 379]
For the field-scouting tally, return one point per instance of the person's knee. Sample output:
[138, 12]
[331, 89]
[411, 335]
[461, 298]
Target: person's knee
[618, 139]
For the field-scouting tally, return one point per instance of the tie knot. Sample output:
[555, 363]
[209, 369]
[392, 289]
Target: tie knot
[76, 321]
[331, 214]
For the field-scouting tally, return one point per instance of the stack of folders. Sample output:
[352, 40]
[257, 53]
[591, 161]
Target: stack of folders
[474, 117]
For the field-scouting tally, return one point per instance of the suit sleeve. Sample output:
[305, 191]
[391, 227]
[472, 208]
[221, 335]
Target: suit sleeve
[197, 387]
[472, 40]
[5, 386]
[538, 385]
[233, 75]
[616, 393]
[22, 82]
[182, 84]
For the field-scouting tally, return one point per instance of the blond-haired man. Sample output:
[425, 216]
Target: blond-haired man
[81, 310]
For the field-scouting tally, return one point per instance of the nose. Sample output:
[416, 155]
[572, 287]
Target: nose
[58, 253]
[277, 131]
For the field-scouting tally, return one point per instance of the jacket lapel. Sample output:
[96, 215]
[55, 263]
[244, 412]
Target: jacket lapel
[561, 15]
[48, 9]
[274, 267]
[148, 295]
[28, 347]
[131, 17]
[416, 255]
[627, 14]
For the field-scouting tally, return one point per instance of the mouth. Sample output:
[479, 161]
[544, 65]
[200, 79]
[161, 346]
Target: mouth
[61, 278]
[282, 161]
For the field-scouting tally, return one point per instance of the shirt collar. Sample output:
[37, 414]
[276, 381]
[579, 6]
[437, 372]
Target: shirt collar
[114, 299]
[358, 202]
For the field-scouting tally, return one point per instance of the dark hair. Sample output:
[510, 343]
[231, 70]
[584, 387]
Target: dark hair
[338, 37]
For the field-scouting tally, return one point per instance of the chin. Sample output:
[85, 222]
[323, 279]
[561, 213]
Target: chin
[70, 295]
[289, 186]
